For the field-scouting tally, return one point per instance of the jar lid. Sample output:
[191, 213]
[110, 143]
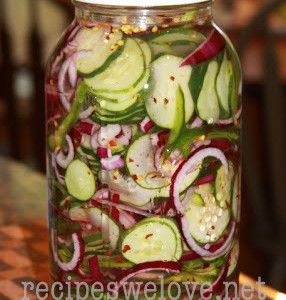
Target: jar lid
[148, 3]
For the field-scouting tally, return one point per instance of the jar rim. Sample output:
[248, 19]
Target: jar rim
[143, 4]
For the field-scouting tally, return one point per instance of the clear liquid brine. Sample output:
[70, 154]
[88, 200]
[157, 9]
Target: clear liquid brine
[143, 131]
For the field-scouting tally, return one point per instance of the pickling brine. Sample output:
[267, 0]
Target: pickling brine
[143, 132]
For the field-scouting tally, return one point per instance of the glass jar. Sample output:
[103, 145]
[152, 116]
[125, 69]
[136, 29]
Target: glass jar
[143, 132]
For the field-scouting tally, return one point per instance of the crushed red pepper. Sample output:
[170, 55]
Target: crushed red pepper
[126, 248]
[148, 236]
[166, 101]
[172, 78]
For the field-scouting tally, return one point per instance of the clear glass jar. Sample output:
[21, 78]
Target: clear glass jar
[143, 132]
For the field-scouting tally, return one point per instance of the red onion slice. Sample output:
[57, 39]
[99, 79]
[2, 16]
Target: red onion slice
[126, 220]
[205, 180]
[94, 141]
[231, 120]
[72, 72]
[125, 136]
[197, 123]
[103, 152]
[192, 244]
[193, 162]
[149, 267]
[87, 127]
[112, 163]
[108, 133]
[217, 284]
[188, 256]
[59, 177]
[86, 113]
[102, 194]
[74, 263]
[207, 50]
[146, 125]
[124, 207]
[64, 160]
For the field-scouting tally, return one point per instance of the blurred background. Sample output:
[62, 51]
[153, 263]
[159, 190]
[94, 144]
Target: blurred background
[29, 30]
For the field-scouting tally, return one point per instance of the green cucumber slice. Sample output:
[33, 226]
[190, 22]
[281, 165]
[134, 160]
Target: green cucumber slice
[175, 42]
[224, 86]
[153, 239]
[167, 75]
[207, 223]
[233, 259]
[80, 181]
[110, 230]
[235, 198]
[207, 102]
[134, 93]
[99, 53]
[123, 74]
[180, 117]
[223, 185]
[140, 165]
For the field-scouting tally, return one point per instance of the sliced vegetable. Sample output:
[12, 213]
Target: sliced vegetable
[193, 164]
[223, 186]
[207, 50]
[77, 256]
[101, 48]
[152, 239]
[56, 140]
[233, 259]
[110, 230]
[235, 198]
[224, 86]
[161, 103]
[116, 78]
[149, 267]
[207, 221]
[80, 181]
[207, 101]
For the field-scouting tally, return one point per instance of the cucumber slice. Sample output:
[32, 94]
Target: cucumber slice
[175, 42]
[233, 259]
[174, 226]
[128, 190]
[224, 86]
[110, 230]
[207, 223]
[167, 75]
[179, 119]
[99, 54]
[123, 74]
[235, 203]
[223, 186]
[140, 164]
[153, 239]
[80, 181]
[207, 102]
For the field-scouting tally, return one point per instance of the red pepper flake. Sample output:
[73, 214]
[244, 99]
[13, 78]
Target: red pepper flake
[108, 253]
[126, 248]
[166, 101]
[155, 100]
[131, 160]
[213, 227]
[119, 260]
[172, 78]
[135, 177]
[112, 144]
[148, 236]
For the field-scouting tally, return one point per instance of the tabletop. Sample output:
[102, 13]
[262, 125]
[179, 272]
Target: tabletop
[24, 251]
